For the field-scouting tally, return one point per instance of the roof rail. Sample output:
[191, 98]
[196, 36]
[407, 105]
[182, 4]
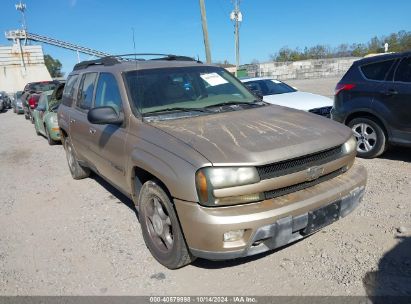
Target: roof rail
[134, 56]
[115, 59]
[109, 60]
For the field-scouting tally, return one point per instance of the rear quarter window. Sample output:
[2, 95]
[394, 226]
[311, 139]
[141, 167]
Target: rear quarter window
[377, 70]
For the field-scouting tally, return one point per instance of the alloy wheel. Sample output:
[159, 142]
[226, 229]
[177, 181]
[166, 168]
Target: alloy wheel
[366, 137]
[159, 225]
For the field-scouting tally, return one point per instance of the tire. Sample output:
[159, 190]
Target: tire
[161, 228]
[76, 170]
[51, 141]
[32, 119]
[370, 135]
[37, 130]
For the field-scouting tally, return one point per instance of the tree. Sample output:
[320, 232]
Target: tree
[53, 66]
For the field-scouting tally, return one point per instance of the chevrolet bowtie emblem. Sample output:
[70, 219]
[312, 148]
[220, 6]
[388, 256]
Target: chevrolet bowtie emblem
[314, 173]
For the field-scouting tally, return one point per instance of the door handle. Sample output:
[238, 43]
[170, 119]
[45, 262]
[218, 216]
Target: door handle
[72, 121]
[92, 131]
[390, 92]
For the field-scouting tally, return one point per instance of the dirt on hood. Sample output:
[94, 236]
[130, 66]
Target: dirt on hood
[256, 136]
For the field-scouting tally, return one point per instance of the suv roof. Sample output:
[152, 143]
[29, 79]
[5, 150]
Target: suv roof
[383, 57]
[132, 62]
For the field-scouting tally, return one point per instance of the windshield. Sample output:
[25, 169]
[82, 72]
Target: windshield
[270, 86]
[43, 86]
[277, 87]
[166, 89]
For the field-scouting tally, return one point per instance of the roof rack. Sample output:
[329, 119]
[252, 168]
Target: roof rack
[115, 59]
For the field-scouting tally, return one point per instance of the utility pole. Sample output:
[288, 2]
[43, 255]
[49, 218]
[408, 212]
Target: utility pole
[205, 31]
[237, 18]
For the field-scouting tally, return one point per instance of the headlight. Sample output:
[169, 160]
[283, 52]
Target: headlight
[208, 179]
[350, 145]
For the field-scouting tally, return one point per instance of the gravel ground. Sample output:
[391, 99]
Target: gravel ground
[59, 236]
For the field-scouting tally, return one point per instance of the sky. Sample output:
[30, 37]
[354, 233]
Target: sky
[174, 27]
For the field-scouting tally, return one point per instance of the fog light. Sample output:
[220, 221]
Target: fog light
[234, 235]
[241, 199]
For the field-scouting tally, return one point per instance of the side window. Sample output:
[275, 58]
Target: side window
[403, 73]
[69, 90]
[107, 92]
[378, 70]
[85, 98]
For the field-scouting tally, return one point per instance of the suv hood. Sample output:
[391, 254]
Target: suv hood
[256, 136]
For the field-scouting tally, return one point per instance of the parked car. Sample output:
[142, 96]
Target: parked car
[41, 86]
[277, 92]
[17, 103]
[374, 99]
[6, 100]
[30, 103]
[213, 171]
[2, 106]
[45, 115]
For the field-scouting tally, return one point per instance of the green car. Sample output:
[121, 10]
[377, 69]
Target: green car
[45, 115]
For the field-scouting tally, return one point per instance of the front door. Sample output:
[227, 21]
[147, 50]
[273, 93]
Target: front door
[401, 99]
[108, 141]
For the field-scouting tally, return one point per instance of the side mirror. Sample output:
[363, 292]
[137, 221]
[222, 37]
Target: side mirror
[104, 116]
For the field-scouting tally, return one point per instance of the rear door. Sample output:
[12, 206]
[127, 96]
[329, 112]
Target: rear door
[79, 124]
[107, 142]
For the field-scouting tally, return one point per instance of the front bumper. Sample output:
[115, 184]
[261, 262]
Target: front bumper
[19, 110]
[268, 224]
[54, 132]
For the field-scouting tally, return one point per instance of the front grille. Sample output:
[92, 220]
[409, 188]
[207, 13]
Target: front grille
[299, 164]
[301, 186]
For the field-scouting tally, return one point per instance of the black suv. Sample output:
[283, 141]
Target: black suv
[374, 99]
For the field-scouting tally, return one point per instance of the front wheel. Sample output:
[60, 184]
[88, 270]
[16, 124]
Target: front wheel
[76, 170]
[161, 228]
[371, 138]
[49, 139]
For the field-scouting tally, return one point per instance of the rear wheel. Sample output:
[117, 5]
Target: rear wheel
[76, 170]
[371, 138]
[161, 228]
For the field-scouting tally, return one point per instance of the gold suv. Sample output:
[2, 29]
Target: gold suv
[214, 171]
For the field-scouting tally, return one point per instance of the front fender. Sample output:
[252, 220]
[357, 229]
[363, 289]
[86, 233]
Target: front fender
[174, 172]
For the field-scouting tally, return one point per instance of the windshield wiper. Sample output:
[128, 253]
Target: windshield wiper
[232, 103]
[179, 109]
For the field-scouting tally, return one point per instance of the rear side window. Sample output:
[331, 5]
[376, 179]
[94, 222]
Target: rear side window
[85, 98]
[378, 70]
[69, 90]
[403, 73]
[107, 92]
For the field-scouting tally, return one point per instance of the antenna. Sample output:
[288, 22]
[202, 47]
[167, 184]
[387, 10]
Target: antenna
[135, 59]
